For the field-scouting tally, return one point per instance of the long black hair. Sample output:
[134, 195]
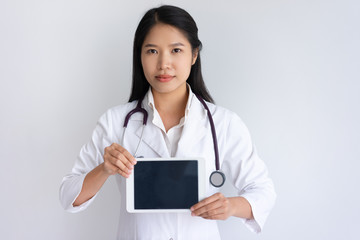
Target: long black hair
[182, 20]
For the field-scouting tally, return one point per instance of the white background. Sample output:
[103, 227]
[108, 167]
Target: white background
[290, 69]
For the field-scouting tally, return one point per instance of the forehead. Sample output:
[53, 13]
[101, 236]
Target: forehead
[165, 34]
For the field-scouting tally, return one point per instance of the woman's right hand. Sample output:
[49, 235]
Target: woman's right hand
[118, 160]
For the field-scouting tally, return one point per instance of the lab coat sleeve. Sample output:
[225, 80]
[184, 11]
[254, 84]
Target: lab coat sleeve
[91, 155]
[249, 173]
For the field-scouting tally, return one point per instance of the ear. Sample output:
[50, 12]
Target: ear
[195, 55]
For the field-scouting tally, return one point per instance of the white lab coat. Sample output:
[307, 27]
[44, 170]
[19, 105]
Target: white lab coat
[238, 160]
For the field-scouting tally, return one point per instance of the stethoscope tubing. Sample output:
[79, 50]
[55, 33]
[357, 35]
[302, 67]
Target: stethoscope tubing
[213, 132]
[138, 108]
[217, 173]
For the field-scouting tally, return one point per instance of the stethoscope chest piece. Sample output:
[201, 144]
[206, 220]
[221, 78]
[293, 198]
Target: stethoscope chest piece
[217, 178]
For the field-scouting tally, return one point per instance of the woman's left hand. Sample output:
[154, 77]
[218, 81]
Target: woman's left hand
[216, 207]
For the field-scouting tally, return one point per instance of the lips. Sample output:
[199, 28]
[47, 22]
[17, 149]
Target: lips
[164, 78]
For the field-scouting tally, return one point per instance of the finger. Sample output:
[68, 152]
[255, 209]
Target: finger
[110, 168]
[130, 157]
[110, 163]
[125, 161]
[117, 162]
[222, 212]
[215, 217]
[124, 174]
[206, 201]
[207, 209]
[215, 209]
[123, 167]
[116, 156]
[124, 152]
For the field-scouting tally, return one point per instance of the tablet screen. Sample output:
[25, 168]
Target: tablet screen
[165, 184]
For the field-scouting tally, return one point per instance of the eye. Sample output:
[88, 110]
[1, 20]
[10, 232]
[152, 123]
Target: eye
[176, 50]
[151, 51]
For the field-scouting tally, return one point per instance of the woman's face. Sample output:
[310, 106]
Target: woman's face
[166, 58]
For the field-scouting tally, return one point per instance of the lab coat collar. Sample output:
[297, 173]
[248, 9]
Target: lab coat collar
[156, 119]
[194, 128]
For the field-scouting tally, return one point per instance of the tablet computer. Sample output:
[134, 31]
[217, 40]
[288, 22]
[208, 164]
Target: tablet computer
[165, 185]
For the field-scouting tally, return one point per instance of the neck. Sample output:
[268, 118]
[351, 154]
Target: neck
[172, 103]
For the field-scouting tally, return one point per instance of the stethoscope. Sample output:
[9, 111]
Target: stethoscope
[217, 177]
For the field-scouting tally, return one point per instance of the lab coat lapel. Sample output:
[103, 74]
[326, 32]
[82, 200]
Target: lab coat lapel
[193, 132]
[195, 129]
[153, 138]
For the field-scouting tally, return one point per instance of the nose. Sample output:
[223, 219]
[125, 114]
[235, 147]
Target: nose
[164, 61]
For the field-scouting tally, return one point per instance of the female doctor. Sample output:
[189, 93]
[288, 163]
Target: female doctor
[166, 78]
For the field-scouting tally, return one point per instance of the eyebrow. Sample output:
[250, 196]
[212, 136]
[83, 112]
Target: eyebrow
[171, 45]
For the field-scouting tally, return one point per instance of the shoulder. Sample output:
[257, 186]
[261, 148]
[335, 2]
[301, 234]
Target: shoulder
[227, 122]
[122, 108]
[224, 114]
[118, 113]
[111, 122]
[230, 129]
[220, 115]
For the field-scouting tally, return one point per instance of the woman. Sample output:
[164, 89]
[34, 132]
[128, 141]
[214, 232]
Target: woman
[167, 75]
